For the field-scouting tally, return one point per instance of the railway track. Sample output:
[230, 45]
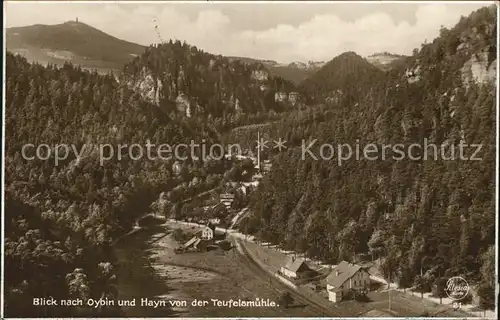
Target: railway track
[281, 287]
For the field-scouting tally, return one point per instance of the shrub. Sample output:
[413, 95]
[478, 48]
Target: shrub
[285, 299]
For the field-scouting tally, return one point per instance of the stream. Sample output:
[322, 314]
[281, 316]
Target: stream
[137, 278]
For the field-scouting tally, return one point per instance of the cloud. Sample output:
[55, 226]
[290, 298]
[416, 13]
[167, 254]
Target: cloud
[318, 37]
[326, 36]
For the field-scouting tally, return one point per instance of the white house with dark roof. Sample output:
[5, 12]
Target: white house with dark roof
[344, 277]
[294, 267]
[207, 233]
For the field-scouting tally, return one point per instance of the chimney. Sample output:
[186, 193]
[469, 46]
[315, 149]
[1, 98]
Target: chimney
[337, 273]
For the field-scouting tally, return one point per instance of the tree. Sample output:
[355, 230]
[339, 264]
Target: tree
[418, 283]
[285, 300]
[78, 286]
[439, 289]
[405, 278]
[486, 295]
[225, 245]
[178, 235]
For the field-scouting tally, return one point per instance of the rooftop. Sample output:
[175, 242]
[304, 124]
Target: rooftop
[294, 264]
[346, 270]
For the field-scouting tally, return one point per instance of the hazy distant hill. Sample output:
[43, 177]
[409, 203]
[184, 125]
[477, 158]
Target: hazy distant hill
[74, 41]
[91, 48]
[345, 75]
[295, 72]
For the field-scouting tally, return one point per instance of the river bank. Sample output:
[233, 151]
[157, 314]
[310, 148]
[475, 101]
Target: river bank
[136, 277]
[149, 268]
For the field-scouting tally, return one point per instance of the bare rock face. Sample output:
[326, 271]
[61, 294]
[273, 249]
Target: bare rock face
[182, 103]
[334, 97]
[413, 75]
[479, 70]
[237, 106]
[260, 75]
[408, 124]
[149, 87]
[476, 44]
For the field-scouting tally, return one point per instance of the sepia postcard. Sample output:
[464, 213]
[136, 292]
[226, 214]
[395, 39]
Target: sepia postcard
[250, 159]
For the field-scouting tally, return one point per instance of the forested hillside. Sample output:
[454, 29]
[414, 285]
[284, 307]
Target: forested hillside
[432, 215]
[184, 80]
[62, 217]
[429, 216]
[347, 77]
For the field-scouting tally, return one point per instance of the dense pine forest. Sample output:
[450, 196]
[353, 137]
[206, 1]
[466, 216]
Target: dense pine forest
[423, 220]
[62, 217]
[434, 218]
[185, 81]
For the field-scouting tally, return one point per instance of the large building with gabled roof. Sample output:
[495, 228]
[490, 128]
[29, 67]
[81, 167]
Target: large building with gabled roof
[345, 277]
[294, 267]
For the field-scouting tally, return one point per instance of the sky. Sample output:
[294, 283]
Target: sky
[283, 32]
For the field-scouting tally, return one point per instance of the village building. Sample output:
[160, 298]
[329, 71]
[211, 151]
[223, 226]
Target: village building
[345, 277]
[280, 97]
[293, 97]
[266, 166]
[207, 233]
[247, 187]
[214, 220]
[195, 243]
[294, 267]
[257, 177]
[192, 243]
[226, 199]
[218, 210]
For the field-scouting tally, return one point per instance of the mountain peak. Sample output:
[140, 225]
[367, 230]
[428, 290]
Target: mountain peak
[72, 40]
[349, 55]
[75, 23]
[347, 72]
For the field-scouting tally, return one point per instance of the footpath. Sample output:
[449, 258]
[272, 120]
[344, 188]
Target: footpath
[469, 308]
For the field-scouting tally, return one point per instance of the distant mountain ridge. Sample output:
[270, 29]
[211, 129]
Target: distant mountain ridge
[72, 40]
[295, 72]
[92, 48]
[347, 75]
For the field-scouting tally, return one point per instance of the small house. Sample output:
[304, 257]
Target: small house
[226, 199]
[294, 267]
[344, 278]
[293, 97]
[191, 243]
[280, 96]
[208, 232]
[214, 220]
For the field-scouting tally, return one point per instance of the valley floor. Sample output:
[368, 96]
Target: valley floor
[200, 276]
[244, 274]
[402, 304]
